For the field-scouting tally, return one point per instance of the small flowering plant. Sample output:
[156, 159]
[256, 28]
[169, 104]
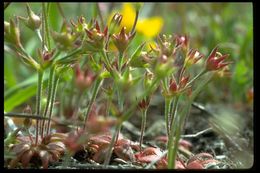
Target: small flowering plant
[102, 80]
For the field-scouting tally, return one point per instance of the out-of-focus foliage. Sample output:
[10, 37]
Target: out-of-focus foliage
[229, 25]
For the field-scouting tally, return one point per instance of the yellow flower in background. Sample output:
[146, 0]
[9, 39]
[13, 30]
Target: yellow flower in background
[149, 27]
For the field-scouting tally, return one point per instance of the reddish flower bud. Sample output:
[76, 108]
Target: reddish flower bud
[96, 38]
[84, 79]
[184, 81]
[144, 103]
[215, 60]
[173, 87]
[182, 41]
[122, 40]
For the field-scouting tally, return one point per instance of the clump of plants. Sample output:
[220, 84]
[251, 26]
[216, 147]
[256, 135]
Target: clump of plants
[111, 81]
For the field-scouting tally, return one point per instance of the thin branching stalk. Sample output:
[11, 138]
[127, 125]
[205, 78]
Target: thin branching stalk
[144, 113]
[72, 53]
[120, 99]
[173, 111]
[97, 86]
[112, 144]
[120, 60]
[38, 33]
[135, 22]
[61, 12]
[106, 61]
[46, 25]
[38, 102]
[55, 86]
[167, 108]
[196, 77]
[50, 90]
[125, 117]
[173, 149]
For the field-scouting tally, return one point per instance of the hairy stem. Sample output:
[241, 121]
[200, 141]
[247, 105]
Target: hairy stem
[173, 111]
[38, 102]
[167, 107]
[46, 24]
[55, 86]
[50, 90]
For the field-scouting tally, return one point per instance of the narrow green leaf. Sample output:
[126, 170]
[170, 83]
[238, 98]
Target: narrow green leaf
[19, 97]
[135, 58]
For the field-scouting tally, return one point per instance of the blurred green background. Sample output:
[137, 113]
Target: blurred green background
[229, 25]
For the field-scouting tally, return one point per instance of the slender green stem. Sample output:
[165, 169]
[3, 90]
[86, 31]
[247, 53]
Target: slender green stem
[73, 53]
[144, 113]
[61, 12]
[196, 77]
[135, 22]
[167, 107]
[38, 33]
[174, 124]
[55, 86]
[173, 150]
[106, 61]
[178, 124]
[112, 144]
[50, 90]
[38, 102]
[170, 146]
[173, 111]
[97, 86]
[120, 60]
[46, 25]
[120, 99]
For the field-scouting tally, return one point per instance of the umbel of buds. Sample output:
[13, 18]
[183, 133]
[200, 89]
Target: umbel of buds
[216, 60]
[164, 45]
[96, 39]
[122, 40]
